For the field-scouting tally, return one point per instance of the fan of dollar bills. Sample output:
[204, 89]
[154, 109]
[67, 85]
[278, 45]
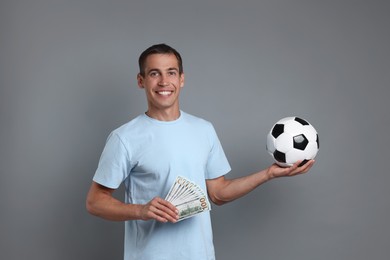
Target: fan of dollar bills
[188, 198]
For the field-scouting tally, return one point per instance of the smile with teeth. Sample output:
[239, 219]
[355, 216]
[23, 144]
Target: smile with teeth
[164, 92]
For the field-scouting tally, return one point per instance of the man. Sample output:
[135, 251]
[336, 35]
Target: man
[149, 152]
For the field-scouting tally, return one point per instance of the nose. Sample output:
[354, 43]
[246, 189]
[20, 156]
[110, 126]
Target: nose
[163, 81]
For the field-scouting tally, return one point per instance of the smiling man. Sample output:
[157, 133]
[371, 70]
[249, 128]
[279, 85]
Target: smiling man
[149, 152]
[162, 78]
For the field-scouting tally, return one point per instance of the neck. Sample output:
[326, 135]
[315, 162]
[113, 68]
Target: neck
[163, 115]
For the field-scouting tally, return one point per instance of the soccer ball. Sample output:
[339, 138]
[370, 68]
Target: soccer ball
[292, 139]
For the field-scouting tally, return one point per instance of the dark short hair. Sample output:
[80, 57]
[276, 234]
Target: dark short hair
[161, 48]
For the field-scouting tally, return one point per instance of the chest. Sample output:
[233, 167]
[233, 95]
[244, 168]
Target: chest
[163, 151]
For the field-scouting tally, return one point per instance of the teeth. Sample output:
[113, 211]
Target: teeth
[165, 93]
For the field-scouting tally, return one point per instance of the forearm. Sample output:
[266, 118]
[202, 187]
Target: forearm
[222, 190]
[101, 203]
[233, 189]
[112, 209]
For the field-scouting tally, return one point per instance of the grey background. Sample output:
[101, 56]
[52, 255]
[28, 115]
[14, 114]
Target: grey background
[68, 77]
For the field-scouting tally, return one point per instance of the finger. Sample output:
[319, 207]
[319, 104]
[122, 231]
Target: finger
[308, 166]
[167, 216]
[303, 163]
[161, 216]
[303, 166]
[167, 204]
[165, 209]
[153, 212]
[293, 169]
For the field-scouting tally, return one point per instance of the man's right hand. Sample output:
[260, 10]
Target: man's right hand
[160, 210]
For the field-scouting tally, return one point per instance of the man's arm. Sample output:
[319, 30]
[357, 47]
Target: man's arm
[222, 190]
[101, 203]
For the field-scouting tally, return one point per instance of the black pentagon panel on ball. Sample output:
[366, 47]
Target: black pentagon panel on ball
[279, 156]
[303, 162]
[318, 142]
[277, 130]
[301, 121]
[300, 142]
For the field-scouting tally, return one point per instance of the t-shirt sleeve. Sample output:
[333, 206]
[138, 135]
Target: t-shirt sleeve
[114, 164]
[217, 163]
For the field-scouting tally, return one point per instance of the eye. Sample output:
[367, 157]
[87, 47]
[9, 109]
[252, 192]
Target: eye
[154, 74]
[172, 73]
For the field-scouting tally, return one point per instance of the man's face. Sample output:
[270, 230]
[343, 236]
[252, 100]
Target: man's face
[162, 82]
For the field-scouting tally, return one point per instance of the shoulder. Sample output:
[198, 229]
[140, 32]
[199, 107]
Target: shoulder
[198, 121]
[130, 131]
[133, 125]
[198, 126]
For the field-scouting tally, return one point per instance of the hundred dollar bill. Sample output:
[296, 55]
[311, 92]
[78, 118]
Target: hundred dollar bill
[181, 188]
[192, 208]
[187, 197]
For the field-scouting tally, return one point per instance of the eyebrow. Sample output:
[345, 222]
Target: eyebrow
[169, 69]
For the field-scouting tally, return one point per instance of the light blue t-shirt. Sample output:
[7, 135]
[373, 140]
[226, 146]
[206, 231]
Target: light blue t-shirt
[147, 155]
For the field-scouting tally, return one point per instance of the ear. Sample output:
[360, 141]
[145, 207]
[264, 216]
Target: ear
[140, 80]
[182, 80]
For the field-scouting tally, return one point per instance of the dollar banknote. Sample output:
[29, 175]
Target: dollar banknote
[188, 198]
